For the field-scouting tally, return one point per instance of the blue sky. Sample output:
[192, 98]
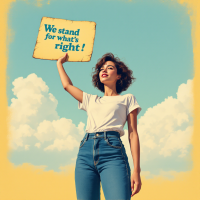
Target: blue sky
[152, 38]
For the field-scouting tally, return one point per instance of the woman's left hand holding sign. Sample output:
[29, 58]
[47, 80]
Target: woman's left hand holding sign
[63, 59]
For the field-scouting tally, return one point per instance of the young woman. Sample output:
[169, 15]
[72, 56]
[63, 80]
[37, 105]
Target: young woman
[102, 157]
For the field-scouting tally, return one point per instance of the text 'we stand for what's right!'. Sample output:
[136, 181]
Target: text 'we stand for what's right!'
[59, 35]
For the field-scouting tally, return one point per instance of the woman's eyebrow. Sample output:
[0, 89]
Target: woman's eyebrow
[108, 65]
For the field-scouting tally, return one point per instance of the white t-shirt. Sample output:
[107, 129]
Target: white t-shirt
[107, 113]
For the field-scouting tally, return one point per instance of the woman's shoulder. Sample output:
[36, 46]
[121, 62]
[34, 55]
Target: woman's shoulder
[95, 96]
[89, 94]
[129, 95]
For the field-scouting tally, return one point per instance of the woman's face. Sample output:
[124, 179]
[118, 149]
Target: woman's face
[110, 70]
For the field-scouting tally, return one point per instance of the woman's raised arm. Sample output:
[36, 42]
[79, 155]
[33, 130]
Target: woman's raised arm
[66, 82]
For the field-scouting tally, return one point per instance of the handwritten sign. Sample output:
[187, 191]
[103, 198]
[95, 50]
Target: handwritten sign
[58, 36]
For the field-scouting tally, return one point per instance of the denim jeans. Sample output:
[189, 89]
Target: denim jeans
[102, 159]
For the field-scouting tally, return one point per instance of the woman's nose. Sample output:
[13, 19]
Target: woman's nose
[104, 70]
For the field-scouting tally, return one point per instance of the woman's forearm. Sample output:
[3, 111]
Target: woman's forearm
[135, 150]
[63, 75]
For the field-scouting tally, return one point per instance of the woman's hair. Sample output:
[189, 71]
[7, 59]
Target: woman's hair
[126, 74]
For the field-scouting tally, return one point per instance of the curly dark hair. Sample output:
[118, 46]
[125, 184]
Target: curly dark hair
[126, 74]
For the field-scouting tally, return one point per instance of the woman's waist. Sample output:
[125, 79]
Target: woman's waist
[103, 134]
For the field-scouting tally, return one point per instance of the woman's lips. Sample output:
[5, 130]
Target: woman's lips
[104, 75]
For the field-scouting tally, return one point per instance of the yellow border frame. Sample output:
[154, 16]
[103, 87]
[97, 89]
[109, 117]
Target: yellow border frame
[27, 182]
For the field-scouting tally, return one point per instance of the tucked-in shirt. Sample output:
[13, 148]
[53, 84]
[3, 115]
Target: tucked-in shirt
[107, 113]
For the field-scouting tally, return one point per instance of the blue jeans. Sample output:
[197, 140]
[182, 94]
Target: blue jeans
[102, 159]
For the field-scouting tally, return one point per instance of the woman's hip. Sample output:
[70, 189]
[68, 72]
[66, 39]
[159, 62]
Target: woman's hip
[102, 148]
[103, 157]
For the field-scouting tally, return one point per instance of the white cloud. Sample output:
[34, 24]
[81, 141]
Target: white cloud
[163, 129]
[167, 127]
[177, 140]
[74, 159]
[33, 103]
[60, 131]
[63, 144]
[81, 128]
[33, 114]
[170, 175]
[27, 147]
[185, 95]
[17, 135]
[38, 145]
[45, 131]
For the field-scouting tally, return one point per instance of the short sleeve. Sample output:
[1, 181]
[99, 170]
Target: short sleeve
[132, 104]
[85, 101]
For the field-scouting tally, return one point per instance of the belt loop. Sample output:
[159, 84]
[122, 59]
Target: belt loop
[87, 137]
[105, 135]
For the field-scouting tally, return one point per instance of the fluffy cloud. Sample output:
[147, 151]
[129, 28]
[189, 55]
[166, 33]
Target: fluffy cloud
[163, 129]
[48, 130]
[33, 103]
[167, 127]
[27, 147]
[33, 114]
[38, 145]
[19, 134]
[63, 144]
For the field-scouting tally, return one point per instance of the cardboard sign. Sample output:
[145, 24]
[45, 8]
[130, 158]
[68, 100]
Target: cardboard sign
[58, 36]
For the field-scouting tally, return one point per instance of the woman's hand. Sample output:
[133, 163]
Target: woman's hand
[63, 59]
[135, 182]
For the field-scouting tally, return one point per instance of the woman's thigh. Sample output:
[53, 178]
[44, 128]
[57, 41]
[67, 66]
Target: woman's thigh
[87, 184]
[115, 182]
[115, 172]
[87, 179]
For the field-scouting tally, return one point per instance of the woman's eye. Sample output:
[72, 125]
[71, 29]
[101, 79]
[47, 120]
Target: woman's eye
[108, 68]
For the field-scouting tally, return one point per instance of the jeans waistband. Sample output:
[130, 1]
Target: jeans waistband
[104, 134]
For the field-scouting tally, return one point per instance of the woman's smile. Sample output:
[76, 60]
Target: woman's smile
[104, 75]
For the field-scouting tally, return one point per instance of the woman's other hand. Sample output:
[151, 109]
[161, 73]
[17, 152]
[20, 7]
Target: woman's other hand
[63, 59]
[135, 182]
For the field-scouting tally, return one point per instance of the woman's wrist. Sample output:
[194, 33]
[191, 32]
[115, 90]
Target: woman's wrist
[59, 62]
[137, 170]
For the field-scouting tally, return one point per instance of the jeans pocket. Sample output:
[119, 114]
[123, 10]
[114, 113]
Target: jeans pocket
[114, 142]
[82, 143]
